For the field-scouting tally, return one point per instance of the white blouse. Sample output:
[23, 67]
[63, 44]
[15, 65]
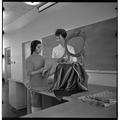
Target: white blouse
[59, 51]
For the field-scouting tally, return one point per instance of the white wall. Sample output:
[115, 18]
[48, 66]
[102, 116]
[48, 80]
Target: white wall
[62, 15]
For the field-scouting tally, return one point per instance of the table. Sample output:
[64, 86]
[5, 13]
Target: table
[74, 108]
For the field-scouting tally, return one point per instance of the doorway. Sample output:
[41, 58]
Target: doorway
[8, 63]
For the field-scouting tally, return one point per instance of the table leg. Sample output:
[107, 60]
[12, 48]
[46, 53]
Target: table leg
[28, 102]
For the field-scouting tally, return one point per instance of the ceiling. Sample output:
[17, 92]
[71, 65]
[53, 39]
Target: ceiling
[14, 10]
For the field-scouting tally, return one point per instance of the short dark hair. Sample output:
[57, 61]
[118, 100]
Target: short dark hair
[61, 32]
[34, 43]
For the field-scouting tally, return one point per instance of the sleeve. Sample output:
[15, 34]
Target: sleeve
[29, 69]
[72, 59]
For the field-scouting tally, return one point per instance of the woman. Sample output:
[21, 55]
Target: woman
[34, 68]
[59, 51]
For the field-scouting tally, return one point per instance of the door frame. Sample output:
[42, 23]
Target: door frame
[23, 57]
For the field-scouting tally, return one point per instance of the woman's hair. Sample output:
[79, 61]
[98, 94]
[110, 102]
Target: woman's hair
[61, 32]
[34, 43]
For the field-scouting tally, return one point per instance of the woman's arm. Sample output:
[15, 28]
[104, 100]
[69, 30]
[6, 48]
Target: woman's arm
[50, 66]
[77, 33]
[37, 71]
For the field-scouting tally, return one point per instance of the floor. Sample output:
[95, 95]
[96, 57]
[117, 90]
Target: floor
[7, 110]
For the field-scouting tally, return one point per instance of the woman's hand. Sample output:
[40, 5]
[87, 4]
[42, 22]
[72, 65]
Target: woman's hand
[41, 70]
[77, 33]
[45, 73]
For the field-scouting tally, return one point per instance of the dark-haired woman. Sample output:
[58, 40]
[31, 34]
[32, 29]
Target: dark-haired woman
[34, 68]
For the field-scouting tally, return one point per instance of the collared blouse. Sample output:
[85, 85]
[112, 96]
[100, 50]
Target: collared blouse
[59, 51]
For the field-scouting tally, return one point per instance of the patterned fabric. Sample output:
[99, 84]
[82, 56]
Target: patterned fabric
[103, 98]
[69, 79]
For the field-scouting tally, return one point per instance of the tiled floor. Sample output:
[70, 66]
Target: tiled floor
[7, 110]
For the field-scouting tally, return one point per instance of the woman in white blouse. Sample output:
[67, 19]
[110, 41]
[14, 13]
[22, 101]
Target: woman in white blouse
[59, 50]
[59, 53]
